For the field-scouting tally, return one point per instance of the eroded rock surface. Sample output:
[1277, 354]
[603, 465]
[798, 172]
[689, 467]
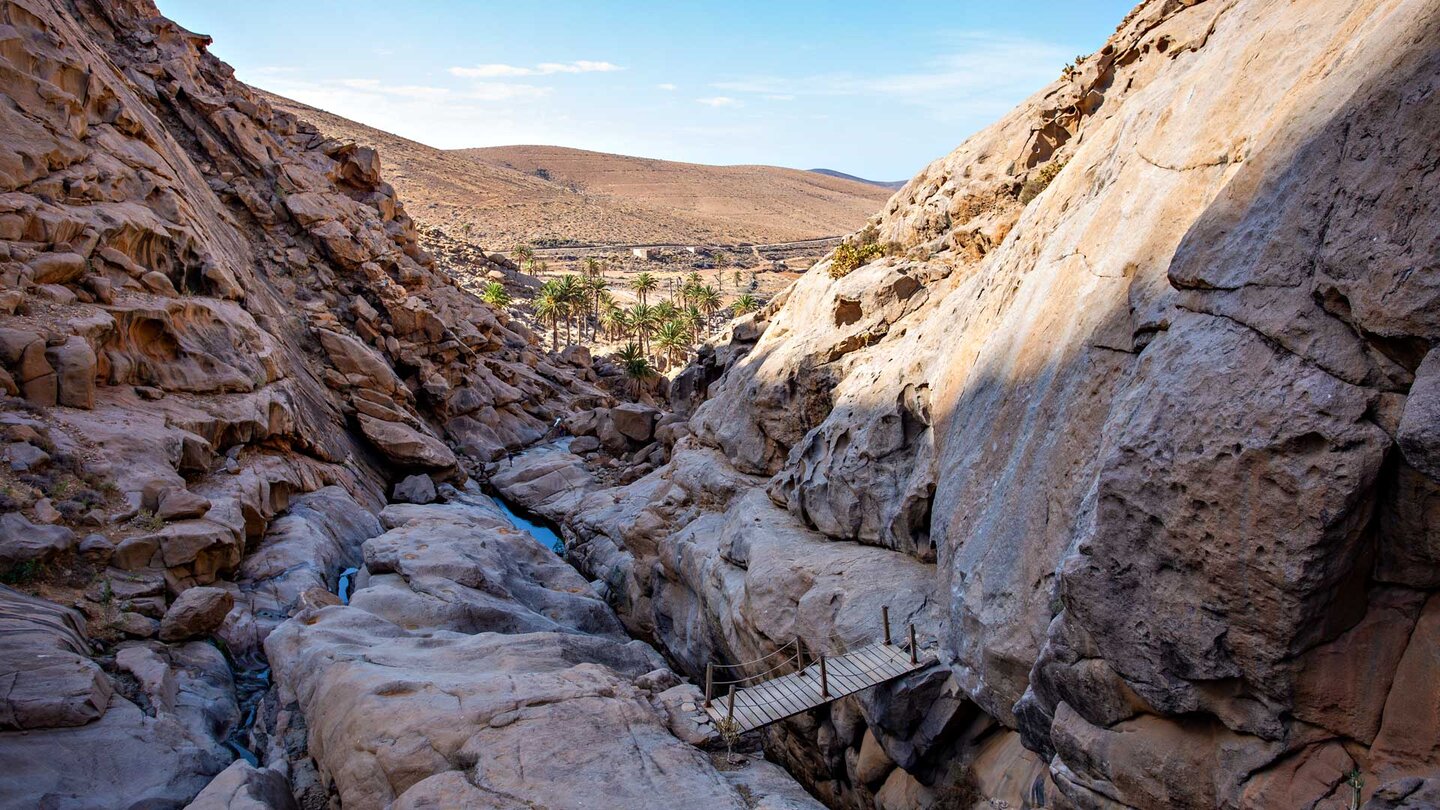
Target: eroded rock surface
[476, 669]
[1142, 373]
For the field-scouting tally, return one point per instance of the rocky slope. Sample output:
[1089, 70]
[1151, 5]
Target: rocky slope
[1135, 416]
[548, 194]
[221, 348]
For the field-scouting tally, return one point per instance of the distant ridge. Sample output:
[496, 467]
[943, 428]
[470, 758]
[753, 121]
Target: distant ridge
[890, 184]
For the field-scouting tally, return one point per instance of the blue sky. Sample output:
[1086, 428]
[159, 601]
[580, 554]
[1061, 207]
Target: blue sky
[877, 89]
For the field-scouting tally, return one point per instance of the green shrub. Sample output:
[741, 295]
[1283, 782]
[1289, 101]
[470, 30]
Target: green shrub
[20, 573]
[1039, 181]
[862, 248]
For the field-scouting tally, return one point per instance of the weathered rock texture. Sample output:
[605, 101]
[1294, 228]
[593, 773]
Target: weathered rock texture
[1145, 390]
[476, 669]
[211, 317]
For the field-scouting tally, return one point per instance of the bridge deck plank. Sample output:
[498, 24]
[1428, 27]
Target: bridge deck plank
[788, 695]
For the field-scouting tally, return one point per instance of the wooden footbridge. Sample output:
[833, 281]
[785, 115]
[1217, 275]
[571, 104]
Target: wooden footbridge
[790, 682]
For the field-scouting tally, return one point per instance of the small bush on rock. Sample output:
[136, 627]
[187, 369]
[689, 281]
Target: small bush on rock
[1039, 181]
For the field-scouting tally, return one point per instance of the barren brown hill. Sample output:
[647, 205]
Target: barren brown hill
[738, 203]
[595, 198]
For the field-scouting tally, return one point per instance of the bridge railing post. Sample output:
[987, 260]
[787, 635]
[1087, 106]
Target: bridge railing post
[914, 651]
[885, 620]
[824, 679]
[799, 657]
[709, 683]
[730, 705]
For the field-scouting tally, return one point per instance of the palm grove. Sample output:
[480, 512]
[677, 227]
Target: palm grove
[658, 335]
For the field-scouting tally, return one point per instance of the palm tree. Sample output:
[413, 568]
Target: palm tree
[613, 319]
[664, 311]
[570, 293]
[495, 295]
[598, 291]
[637, 366]
[695, 319]
[673, 339]
[523, 253]
[709, 300]
[548, 309]
[745, 303]
[644, 283]
[642, 322]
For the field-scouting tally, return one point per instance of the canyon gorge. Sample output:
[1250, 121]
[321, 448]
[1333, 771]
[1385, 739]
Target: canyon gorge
[1130, 405]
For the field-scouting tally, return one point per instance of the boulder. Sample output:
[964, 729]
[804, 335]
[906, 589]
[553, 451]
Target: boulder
[24, 543]
[243, 786]
[873, 763]
[74, 364]
[576, 355]
[584, 444]
[197, 613]
[415, 489]
[24, 457]
[58, 268]
[635, 421]
[178, 503]
[405, 445]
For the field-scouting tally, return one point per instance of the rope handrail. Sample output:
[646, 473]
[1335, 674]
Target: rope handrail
[791, 660]
[742, 664]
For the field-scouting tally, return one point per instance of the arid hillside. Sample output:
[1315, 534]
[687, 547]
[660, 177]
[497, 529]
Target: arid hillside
[496, 196]
[736, 203]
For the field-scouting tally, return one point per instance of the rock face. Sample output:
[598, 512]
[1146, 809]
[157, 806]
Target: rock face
[476, 669]
[225, 347]
[1144, 387]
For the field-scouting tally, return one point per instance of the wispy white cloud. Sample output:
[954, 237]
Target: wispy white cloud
[984, 76]
[666, 86]
[406, 90]
[493, 71]
[719, 101]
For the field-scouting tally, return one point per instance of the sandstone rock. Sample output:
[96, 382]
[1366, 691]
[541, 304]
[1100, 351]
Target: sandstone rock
[1411, 793]
[25, 457]
[58, 268]
[1408, 739]
[97, 546]
[874, 764]
[196, 613]
[45, 663]
[406, 446]
[351, 356]
[158, 283]
[242, 786]
[74, 364]
[136, 625]
[415, 489]
[135, 552]
[584, 444]
[635, 421]
[23, 542]
[178, 503]
[576, 355]
[577, 681]
[1419, 435]
[46, 513]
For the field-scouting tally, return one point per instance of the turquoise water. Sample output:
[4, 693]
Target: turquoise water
[342, 589]
[544, 534]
